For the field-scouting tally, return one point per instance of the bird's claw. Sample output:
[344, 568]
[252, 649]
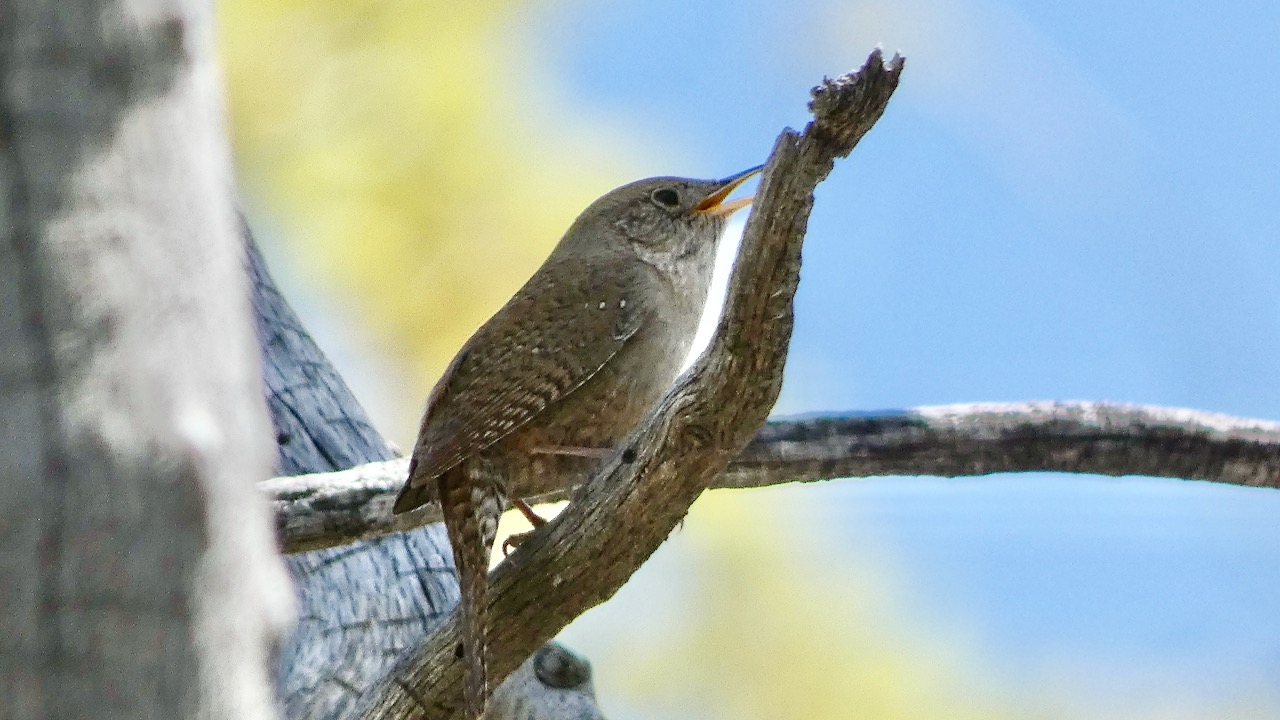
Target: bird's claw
[536, 520]
[513, 541]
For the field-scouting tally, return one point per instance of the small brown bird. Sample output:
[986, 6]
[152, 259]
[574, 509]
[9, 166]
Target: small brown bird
[567, 367]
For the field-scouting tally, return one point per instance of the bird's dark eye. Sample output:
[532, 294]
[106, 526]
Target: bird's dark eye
[665, 197]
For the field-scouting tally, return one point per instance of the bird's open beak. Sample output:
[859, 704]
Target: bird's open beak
[714, 203]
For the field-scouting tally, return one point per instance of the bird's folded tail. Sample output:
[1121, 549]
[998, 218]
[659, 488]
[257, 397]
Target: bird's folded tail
[471, 509]
[413, 496]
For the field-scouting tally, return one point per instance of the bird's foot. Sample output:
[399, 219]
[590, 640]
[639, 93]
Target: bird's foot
[512, 541]
[534, 519]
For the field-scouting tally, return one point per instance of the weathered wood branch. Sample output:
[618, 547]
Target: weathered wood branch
[327, 509]
[623, 513]
[979, 439]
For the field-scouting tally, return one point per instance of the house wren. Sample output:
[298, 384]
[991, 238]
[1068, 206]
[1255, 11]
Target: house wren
[567, 367]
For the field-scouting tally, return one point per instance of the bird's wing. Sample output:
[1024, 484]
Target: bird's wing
[563, 326]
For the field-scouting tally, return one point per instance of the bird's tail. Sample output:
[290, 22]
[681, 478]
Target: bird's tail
[417, 491]
[471, 509]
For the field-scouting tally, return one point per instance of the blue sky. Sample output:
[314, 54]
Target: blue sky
[1057, 204]
[1064, 201]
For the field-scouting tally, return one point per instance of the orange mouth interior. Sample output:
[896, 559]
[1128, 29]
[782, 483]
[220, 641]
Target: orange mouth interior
[714, 203]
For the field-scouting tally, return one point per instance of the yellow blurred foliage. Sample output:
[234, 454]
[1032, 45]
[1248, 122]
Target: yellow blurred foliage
[775, 630]
[410, 155]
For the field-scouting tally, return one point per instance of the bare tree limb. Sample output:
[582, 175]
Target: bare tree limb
[619, 517]
[949, 441]
[979, 439]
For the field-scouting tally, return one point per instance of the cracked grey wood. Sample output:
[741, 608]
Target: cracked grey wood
[140, 578]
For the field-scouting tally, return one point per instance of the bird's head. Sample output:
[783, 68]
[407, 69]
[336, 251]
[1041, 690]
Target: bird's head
[662, 220]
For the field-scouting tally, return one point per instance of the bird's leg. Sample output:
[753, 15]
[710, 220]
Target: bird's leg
[591, 453]
[534, 519]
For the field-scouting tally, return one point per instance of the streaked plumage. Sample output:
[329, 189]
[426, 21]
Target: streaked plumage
[574, 360]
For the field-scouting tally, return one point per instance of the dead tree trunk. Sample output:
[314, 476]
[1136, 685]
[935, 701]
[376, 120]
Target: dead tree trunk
[138, 574]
